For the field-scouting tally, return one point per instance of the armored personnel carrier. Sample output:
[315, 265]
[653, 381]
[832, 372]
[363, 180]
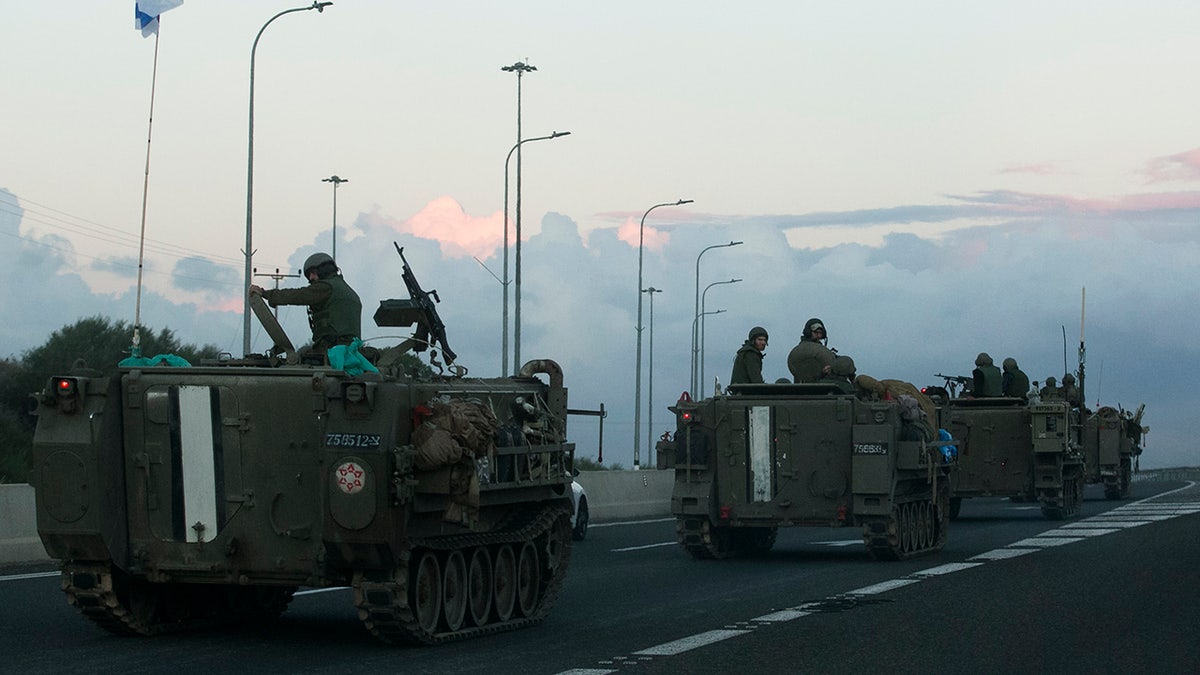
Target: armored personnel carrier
[1112, 440]
[1011, 449]
[765, 456]
[184, 496]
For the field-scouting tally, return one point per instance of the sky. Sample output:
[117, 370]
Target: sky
[933, 180]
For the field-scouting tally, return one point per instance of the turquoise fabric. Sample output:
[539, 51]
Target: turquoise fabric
[348, 358]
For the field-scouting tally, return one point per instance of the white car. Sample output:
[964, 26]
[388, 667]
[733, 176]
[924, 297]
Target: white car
[579, 519]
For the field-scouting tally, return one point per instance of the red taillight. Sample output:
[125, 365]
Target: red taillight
[65, 387]
[686, 416]
[724, 512]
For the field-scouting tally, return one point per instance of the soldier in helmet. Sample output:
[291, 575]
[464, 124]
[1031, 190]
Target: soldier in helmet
[747, 365]
[1070, 391]
[1051, 390]
[334, 310]
[987, 378]
[811, 360]
[1014, 382]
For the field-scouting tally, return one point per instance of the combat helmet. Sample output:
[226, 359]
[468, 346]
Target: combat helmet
[318, 260]
[813, 324]
[757, 331]
[983, 359]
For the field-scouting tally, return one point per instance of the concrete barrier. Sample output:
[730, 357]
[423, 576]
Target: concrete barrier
[611, 495]
[19, 540]
[620, 495]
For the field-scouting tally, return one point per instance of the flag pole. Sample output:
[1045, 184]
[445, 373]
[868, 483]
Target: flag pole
[137, 318]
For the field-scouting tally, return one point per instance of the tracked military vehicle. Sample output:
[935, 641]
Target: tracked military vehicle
[186, 496]
[1011, 449]
[1112, 441]
[765, 456]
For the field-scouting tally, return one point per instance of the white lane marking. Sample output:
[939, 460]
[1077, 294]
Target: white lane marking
[631, 522]
[691, 642]
[1136, 516]
[782, 615]
[946, 569]
[840, 542]
[33, 575]
[1084, 524]
[1045, 542]
[639, 548]
[322, 590]
[1086, 531]
[587, 671]
[883, 587]
[1003, 553]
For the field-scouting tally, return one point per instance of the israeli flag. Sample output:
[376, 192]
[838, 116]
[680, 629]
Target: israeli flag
[145, 14]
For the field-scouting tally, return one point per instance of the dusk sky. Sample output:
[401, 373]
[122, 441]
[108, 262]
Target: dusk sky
[931, 179]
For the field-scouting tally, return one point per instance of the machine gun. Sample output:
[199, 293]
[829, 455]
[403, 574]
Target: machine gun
[953, 382]
[418, 310]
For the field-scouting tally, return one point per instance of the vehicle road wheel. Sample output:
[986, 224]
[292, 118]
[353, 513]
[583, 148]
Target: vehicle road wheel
[454, 590]
[504, 583]
[528, 580]
[479, 586]
[426, 593]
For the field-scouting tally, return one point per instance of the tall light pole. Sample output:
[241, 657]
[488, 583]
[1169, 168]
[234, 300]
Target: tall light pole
[320, 7]
[702, 299]
[336, 182]
[696, 321]
[650, 395]
[637, 387]
[504, 283]
[520, 68]
[695, 336]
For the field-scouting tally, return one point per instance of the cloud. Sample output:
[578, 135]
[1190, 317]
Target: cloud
[121, 266]
[1180, 166]
[994, 271]
[201, 274]
[631, 231]
[460, 235]
[1037, 169]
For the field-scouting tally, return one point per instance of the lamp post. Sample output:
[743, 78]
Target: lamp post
[320, 7]
[650, 395]
[520, 68]
[336, 182]
[702, 300]
[695, 337]
[504, 283]
[637, 387]
[695, 322]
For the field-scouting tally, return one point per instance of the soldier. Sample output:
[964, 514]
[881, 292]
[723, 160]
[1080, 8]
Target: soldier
[1014, 382]
[334, 310]
[1051, 390]
[987, 380]
[1070, 391]
[747, 365]
[811, 360]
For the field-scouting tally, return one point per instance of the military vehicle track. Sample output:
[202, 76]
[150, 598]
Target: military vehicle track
[453, 588]
[1065, 503]
[914, 528]
[127, 605]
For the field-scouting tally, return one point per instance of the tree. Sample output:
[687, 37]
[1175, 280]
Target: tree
[96, 342]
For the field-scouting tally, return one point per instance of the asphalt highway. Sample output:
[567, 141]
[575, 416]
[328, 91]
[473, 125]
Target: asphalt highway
[1113, 591]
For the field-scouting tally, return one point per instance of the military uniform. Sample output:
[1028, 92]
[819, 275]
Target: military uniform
[334, 309]
[987, 378]
[747, 365]
[808, 360]
[1015, 383]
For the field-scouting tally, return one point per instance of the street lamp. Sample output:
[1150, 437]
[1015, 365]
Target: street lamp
[520, 68]
[504, 283]
[695, 337]
[336, 182]
[320, 7]
[702, 299]
[650, 396]
[696, 320]
[637, 387]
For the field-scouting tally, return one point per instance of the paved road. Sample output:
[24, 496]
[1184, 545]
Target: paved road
[1113, 591]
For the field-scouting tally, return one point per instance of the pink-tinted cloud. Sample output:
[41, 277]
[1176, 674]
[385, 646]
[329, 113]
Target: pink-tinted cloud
[1180, 166]
[1039, 169]
[459, 234]
[655, 240]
